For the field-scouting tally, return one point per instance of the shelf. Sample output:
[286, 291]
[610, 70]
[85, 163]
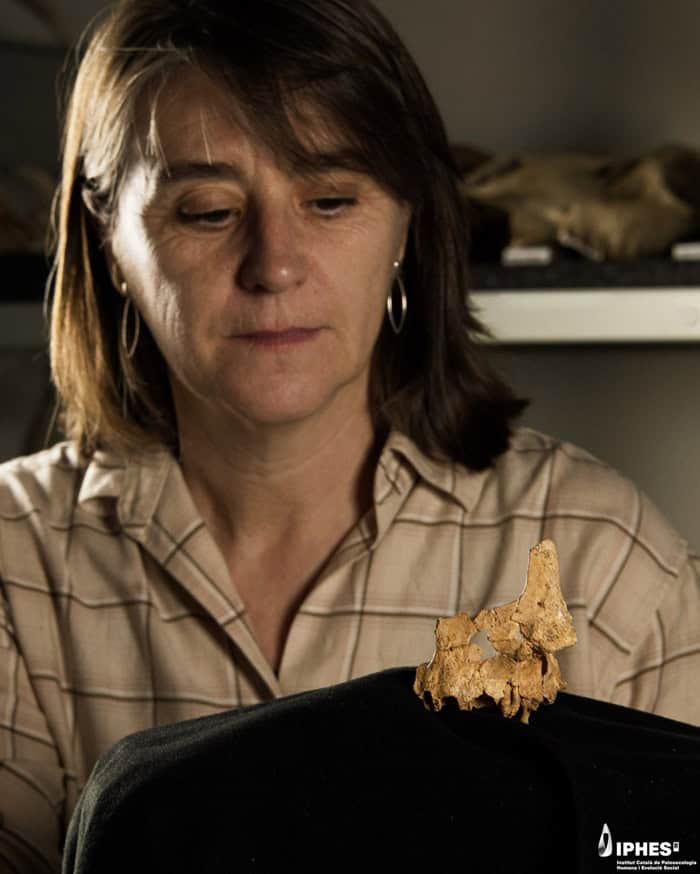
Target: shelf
[631, 315]
[576, 301]
[574, 272]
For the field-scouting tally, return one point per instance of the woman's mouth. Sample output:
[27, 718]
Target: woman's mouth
[286, 337]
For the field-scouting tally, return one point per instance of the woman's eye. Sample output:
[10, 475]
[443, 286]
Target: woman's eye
[330, 206]
[211, 217]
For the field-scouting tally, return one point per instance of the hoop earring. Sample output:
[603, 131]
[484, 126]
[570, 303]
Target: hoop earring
[130, 347]
[397, 324]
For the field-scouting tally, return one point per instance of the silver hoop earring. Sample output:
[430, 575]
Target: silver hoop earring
[130, 347]
[397, 324]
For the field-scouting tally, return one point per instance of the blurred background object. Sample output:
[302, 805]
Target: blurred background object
[601, 207]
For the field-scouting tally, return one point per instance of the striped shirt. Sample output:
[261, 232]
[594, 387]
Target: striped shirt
[118, 613]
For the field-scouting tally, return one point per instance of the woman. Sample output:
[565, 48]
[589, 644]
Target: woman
[287, 454]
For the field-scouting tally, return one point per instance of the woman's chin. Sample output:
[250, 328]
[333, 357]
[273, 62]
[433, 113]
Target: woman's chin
[270, 402]
[268, 409]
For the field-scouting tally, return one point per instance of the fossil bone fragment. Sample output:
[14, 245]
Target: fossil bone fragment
[525, 634]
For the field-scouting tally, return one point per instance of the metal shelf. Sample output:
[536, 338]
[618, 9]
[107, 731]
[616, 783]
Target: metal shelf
[577, 301]
[630, 315]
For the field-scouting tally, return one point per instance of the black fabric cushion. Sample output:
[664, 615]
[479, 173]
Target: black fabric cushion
[361, 775]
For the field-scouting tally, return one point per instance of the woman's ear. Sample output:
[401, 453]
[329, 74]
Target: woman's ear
[115, 272]
[100, 225]
[406, 218]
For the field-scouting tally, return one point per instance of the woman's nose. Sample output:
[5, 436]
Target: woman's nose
[274, 259]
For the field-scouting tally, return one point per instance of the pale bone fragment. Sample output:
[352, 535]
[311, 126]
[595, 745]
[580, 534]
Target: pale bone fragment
[525, 635]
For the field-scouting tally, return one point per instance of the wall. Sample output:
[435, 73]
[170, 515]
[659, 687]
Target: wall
[508, 75]
[636, 407]
[29, 134]
[544, 74]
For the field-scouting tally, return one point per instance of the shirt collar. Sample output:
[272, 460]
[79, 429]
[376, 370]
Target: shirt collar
[402, 461]
[137, 483]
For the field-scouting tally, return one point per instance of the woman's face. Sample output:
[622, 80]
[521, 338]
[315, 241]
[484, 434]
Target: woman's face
[264, 290]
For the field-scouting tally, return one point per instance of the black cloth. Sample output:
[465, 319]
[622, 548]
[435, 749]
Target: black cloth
[361, 775]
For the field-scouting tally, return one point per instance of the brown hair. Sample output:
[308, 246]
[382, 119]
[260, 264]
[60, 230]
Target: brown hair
[432, 381]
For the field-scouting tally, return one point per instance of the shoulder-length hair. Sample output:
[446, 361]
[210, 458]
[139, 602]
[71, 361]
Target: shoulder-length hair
[278, 58]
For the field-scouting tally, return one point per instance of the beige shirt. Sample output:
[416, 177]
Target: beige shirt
[118, 612]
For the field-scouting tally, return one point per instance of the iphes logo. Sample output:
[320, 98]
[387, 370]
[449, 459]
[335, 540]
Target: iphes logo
[627, 850]
[605, 844]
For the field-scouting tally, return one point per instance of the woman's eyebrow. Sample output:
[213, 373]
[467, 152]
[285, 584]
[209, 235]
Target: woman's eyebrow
[186, 170]
[330, 161]
[321, 164]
